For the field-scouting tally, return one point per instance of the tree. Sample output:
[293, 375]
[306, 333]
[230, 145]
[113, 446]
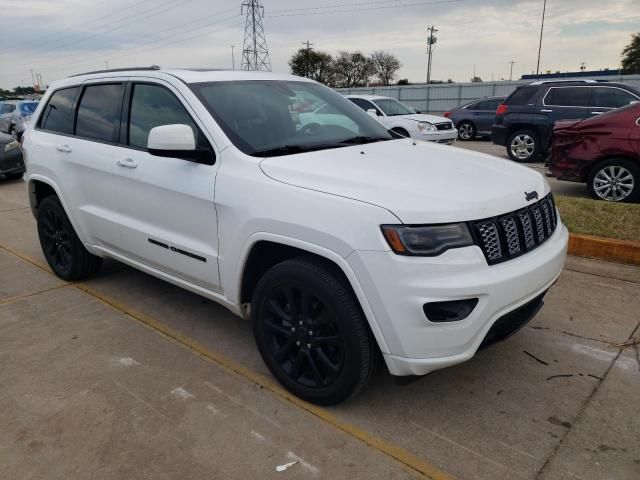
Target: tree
[476, 79]
[631, 55]
[385, 66]
[403, 81]
[352, 69]
[313, 64]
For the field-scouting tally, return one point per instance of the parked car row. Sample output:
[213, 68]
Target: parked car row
[14, 116]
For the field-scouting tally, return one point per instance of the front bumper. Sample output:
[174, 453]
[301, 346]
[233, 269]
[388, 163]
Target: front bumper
[441, 136]
[11, 161]
[397, 287]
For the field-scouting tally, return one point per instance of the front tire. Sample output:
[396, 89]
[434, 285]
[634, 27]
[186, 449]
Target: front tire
[615, 180]
[466, 131]
[62, 248]
[523, 146]
[311, 332]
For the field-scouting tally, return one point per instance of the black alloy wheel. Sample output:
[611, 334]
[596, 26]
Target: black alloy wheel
[63, 250]
[302, 336]
[311, 332]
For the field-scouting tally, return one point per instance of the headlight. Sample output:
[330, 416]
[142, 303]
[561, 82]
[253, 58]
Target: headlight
[426, 127]
[428, 240]
[11, 146]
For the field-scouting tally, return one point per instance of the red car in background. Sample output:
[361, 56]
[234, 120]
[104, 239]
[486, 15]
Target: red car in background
[602, 151]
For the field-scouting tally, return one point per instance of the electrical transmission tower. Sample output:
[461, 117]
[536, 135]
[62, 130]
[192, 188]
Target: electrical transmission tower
[255, 54]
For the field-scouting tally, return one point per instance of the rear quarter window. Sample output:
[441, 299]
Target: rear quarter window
[522, 96]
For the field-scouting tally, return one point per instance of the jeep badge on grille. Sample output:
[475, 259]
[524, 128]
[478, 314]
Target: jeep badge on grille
[531, 196]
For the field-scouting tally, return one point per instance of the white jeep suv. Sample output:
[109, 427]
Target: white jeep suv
[343, 245]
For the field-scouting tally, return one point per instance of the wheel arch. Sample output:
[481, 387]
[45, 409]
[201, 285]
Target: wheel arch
[263, 251]
[41, 187]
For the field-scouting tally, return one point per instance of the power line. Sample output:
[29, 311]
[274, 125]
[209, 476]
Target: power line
[138, 49]
[38, 40]
[120, 25]
[298, 12]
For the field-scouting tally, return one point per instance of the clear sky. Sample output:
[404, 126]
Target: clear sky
[58, 38]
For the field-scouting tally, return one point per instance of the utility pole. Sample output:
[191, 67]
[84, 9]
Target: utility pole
[306, 60]
[431, 40]
[512, 62]
[583, 67]
[33, 80]
[233, 58]
[544, 10]
[255, 54]
[106, 64]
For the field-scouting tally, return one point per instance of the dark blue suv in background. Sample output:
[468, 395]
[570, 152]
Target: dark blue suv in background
[474, 119]
[525, 120]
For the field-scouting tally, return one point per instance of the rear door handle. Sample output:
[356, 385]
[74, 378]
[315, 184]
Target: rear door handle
[127, 163]
[546, 111]
[63, 148]
[597, 113]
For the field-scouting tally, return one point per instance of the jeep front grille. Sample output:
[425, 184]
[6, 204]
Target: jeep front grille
[513, 234]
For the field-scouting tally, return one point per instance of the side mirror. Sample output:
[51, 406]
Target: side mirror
[373, 112]
[177, 141]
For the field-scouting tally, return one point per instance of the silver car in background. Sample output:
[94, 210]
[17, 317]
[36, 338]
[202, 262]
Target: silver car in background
[15, 114]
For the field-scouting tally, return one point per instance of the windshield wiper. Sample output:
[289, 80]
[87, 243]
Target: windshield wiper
[361, 139]
[289, 150]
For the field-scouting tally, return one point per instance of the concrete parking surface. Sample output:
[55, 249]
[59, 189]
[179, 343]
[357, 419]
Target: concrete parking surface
[125, 376]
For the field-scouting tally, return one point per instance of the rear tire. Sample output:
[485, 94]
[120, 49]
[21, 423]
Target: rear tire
[615, 180]
[467, 131]
[523, 146]
[311, 332]
[62, 248]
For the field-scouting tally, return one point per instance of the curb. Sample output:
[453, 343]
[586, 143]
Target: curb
[620, 251]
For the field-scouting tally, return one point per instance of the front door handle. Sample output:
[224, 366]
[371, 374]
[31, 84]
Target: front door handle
[127, 163]
[63, 148]
[597, 113]
[546, 110]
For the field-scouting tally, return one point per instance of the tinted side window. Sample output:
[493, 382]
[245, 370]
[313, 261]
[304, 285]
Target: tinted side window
[153, 106]
[607, 97]
[363, 104]
[56, 116]
[8, 108]
[486, 105]
[99, 112]
[522, 96]
[568, 97]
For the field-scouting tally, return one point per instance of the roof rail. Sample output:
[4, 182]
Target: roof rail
[542, 82]
[152, 67]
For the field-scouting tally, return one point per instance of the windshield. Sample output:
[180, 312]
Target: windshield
[392, 107]
[28, 107]
[263, 118]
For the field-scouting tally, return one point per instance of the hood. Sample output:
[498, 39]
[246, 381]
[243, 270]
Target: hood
[422, 117]
[420, 182]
